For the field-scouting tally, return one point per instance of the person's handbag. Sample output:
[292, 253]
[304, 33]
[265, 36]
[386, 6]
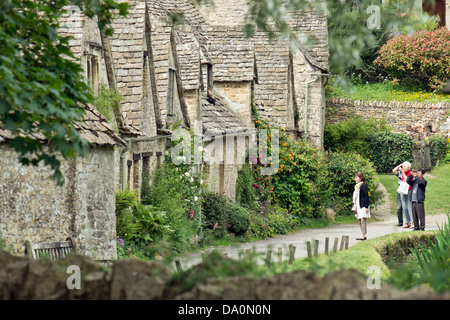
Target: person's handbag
[403, 187]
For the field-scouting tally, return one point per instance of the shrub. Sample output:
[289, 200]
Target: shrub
[238, 219]
[245, 192]
[215, 211]
[298, 184]
[438, 148]
[139, 223]
[259, 227]
[280, 220]
[386, 150]
[349, 135]
[341, 168]
[434, 260]
[174, 190]
[422, 57]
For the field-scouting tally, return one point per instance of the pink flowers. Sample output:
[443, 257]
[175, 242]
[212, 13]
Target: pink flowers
[192, 214]
[423, 56]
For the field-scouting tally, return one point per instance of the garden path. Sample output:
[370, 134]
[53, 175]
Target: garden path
[386, 225]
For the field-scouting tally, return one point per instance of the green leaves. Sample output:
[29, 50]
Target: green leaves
[42, 88]
[434, 260]
[422, 57]
[387, 150]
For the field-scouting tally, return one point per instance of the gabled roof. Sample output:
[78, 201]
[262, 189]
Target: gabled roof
[127, 48]
[189, 57]
[218, 118]
[232, 62]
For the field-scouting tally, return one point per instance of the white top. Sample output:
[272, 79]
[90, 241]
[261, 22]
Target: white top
[360, 212]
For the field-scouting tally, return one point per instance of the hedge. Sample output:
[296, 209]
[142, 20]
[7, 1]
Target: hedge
[386, 150]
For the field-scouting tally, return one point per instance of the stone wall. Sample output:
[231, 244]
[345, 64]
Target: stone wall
[133, 279]
[33, 207]
[224, 12]
[401, 116]
[239, 95]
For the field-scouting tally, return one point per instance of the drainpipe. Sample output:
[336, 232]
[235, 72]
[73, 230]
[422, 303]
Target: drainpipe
[306, 101]
[306, 106]
[123, 156]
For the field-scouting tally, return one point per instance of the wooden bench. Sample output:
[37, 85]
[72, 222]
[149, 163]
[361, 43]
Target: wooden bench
[49, 250]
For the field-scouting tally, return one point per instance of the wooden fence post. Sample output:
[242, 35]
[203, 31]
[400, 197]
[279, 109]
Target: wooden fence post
[308, 249]
[342, 243]
[268, 257]
[316, 248]
[291, 253]
[347, 239]
[336, 240]
[280, 256]
[327, 240]
[178, 265]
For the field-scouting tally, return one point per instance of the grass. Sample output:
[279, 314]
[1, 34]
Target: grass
[387, 92]
[390, 253]
[437, 194]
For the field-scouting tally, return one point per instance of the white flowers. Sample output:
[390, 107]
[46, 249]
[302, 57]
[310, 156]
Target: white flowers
[181, 158]
[200, 148]
[195, 198]
[187, 174]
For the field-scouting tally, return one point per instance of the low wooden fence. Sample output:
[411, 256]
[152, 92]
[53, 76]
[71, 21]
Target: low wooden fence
[312, 248]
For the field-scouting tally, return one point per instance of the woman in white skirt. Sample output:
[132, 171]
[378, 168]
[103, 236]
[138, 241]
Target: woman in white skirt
[361, 203]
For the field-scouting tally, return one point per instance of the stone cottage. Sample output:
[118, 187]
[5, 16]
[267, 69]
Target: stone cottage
[206, 72]
[204, 75]
[34, 208]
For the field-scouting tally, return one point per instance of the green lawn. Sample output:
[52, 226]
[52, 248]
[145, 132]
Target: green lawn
[387, 92]
[437, 196]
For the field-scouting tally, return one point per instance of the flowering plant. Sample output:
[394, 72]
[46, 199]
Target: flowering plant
[423, 56]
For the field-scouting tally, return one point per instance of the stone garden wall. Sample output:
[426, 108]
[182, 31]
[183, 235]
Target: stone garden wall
[416, 118]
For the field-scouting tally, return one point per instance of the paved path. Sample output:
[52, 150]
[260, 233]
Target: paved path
[299, 238]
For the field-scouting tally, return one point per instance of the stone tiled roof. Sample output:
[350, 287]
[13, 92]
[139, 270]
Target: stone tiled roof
[127, 48]
[218, 118]
[94, 128]
[314, 25]
[189, 57]
[272, 61]
[232, 62]
[234, 57]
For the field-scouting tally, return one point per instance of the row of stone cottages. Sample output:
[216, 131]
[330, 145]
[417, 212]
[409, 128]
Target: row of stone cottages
[204, 72]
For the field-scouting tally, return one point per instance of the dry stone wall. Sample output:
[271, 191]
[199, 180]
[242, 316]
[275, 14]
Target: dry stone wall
[22, 278]
[404, 117]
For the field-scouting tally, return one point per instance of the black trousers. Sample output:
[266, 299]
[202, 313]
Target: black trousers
[418, 213]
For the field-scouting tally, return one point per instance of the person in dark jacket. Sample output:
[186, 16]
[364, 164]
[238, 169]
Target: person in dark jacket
[361, 206]
[419, 186]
